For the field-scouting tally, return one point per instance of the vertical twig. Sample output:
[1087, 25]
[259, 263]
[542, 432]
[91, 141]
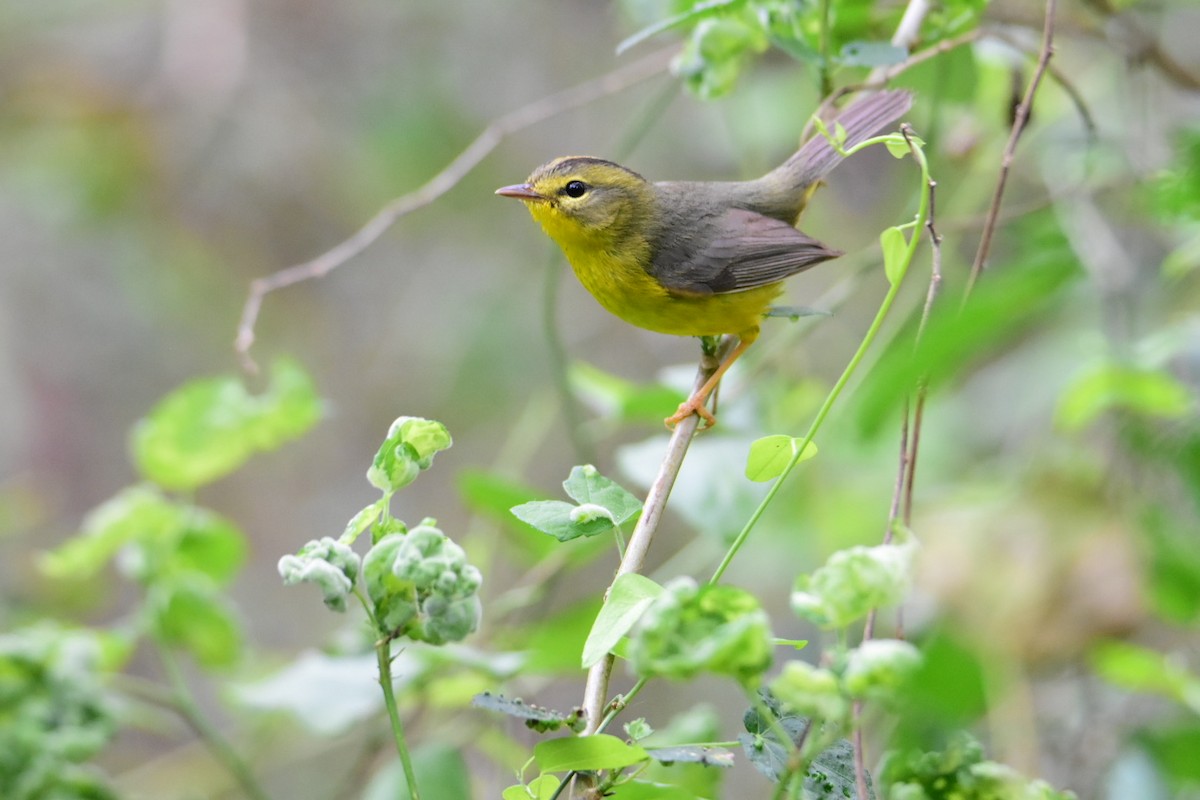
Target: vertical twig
[595, 692]
[902, 490]
[1020, 118]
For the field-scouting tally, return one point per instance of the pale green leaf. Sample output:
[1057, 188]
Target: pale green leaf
[592, 753]
[771, 455]
[1151, 393]
[629, 597]
[895, 250]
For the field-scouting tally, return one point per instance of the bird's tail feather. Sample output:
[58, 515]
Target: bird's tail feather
[861, 120]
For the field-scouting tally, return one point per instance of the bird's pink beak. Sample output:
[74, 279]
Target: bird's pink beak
[521, 191]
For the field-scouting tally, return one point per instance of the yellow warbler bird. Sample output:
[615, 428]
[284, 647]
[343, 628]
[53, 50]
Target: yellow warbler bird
[693, 258]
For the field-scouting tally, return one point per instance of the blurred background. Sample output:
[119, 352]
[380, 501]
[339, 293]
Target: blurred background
[156, 157]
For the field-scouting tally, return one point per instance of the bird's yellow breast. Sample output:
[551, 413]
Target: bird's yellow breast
[619, 280]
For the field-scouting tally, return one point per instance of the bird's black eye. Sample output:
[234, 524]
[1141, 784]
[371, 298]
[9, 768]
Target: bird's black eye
[575, 189]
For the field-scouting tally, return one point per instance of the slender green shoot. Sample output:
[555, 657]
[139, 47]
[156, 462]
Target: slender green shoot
[868, 338]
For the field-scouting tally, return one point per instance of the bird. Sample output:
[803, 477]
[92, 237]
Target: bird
[694, 258]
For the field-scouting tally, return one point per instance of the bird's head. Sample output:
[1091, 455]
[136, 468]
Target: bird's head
[585, 201]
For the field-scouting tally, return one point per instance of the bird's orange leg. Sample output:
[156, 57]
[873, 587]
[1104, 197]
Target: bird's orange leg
[695, 403]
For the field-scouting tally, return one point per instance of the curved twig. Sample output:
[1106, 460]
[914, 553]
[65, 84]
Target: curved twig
[435, 187]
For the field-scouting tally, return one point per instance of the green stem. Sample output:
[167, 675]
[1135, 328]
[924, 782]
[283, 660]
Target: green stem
[183, 702]
[618, 706]
[847, 373]
[383, 655]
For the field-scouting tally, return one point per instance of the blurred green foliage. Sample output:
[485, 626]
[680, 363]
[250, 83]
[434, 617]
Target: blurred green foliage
[156, 158]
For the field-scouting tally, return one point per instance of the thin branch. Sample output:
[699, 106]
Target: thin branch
[935, 283]
[908, 33]
[906, 469]
[913, 448]
[909, 30]
[935, 267]
[883, 75]
[1057, 75]
[1020, 118]
[595, 692]
[439, 184]
[185, 704]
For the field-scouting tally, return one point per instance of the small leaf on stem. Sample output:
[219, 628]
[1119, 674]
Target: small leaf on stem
[894, 246]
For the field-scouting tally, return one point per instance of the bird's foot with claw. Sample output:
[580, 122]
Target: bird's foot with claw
[693, 405]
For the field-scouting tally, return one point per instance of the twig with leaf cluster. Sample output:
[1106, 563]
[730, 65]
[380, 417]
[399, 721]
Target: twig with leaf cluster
[595, 693]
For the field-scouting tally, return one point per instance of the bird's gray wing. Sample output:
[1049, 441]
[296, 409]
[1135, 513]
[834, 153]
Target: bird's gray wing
[732, 251]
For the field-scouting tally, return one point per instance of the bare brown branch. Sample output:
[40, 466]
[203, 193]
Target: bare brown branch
[439, 184]
[1018, 127]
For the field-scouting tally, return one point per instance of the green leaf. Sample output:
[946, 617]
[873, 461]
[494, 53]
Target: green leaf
[690, 629]
[830, 776]
[638, 729]
[1000, 309]
[899, 147]
[1173, 567]
[329, 564]
[1151, 393]
[622, 399]
[603, 506]
[597, 752]
[135, 513]
[209, 427]
[542, 787]
[762, 742]
[363, 520]
[409, 448]
[535, 717]
[552, 645]
[895, 252]
[210, 545]
[692, 754]
[493, 496]
[947, 689]
[879, 669]
[716, 52]
[586, 485]
[839, 134]
[852, 582]
[1141, 669]
[631, 594]
[1174, 748]
[648, 790]
[554, 517]
[195, 617]
[812, 692]
[1174, 194]
[771, 455]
